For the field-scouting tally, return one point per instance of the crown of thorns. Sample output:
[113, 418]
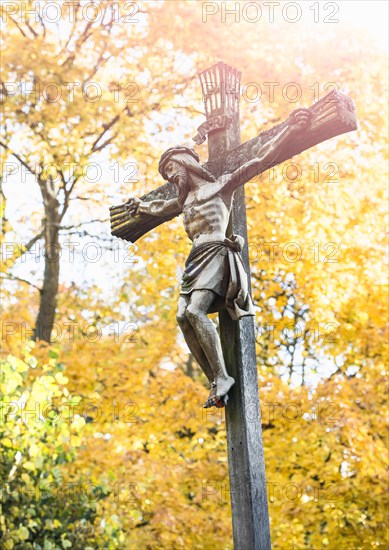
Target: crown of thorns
[171, 152]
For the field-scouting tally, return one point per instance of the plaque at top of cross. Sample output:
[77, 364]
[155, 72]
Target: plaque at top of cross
[216, 276]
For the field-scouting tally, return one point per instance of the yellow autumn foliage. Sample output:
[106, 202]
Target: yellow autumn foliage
[137, 431]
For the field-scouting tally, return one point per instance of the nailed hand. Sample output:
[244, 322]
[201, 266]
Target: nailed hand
[300, 118]
[132, 205]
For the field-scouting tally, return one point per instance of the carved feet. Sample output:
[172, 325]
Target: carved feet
[218, 395]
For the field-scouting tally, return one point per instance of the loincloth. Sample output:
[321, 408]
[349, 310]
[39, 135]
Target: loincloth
[218, 266]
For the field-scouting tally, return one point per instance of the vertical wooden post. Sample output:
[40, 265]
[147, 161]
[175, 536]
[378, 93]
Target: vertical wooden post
[250, 519]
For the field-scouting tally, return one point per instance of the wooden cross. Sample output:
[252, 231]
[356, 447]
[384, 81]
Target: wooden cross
[331, 116]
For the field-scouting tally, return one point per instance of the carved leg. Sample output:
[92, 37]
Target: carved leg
[207, 336]
[191, 338]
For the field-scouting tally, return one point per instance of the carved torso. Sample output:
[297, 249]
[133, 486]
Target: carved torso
[206, 214]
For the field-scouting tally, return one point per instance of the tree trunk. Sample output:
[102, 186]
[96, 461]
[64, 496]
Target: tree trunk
[48, 295]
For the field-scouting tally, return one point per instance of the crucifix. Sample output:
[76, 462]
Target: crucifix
[216, 275]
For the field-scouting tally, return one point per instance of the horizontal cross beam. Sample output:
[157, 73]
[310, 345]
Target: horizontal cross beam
[332, 116]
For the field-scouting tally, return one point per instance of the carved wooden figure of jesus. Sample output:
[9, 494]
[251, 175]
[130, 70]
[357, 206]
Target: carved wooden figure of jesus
[214, 275]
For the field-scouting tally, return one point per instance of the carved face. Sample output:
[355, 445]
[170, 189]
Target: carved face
[174, 170]
[178, 174]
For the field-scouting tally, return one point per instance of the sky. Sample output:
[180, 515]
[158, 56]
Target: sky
[370, 16]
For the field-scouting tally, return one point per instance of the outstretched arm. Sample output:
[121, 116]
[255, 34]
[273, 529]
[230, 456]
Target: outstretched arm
[269, 153]
[153, 208]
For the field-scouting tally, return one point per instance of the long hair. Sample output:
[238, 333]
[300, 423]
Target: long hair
[191, 165]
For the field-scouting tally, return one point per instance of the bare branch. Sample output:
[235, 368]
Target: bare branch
[106, 128]
[31, 243]
[67, 192]
[42, 23]
[14, 278]
[18, 26]
[76, 7]
[31, 29]
[18, 157]
[79, 42]
[106, 143]
[66, 227]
